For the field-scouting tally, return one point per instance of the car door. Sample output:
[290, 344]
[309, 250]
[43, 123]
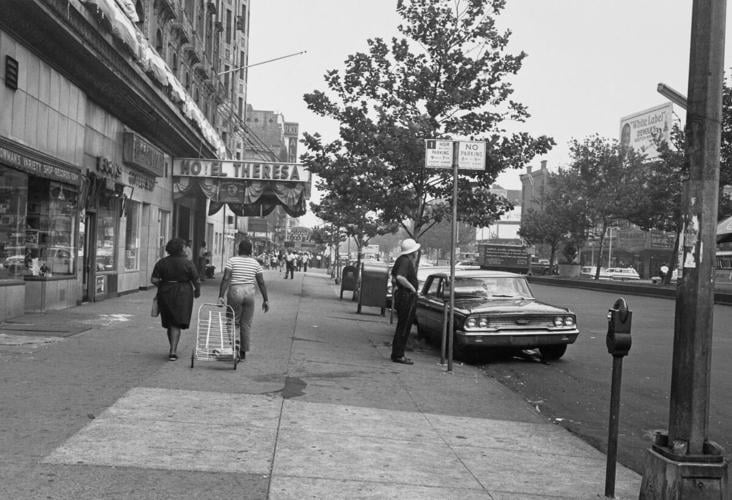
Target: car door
[431, 305]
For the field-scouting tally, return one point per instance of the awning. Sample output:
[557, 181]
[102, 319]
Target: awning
[724, 231]
[247, 197]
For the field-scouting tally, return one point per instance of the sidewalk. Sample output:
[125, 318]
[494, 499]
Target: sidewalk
[91, 408]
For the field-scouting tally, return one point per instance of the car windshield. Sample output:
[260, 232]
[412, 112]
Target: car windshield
[490, 287]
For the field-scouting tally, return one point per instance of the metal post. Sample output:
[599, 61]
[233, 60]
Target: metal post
[669, 468]
[453, 241]
[443, 342]
[612, 433]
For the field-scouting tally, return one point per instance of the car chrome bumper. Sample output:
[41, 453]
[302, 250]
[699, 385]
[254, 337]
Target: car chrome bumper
[514, 339]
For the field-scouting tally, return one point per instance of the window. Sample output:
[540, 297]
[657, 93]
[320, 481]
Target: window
[159, 42]
[140, 11]
[226, 78]
[228, 26]
[13, 205]
[107, 216]
[37, 226]
[241, 107]
[242, 64]
[132, 236]
[50, 227]
[173, 58]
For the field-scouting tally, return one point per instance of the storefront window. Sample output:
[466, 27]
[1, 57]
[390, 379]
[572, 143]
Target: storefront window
[132, 236]
[107, 215]
[49, 228]
[13, 204]
[164, 223]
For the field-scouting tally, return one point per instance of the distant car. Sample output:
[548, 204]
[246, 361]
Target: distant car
[494, 309]
[15, 264]
[622, 273]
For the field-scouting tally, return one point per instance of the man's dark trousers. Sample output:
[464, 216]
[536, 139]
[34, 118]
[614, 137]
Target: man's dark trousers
[404, 303]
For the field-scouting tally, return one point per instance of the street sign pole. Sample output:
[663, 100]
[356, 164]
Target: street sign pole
[453, 244]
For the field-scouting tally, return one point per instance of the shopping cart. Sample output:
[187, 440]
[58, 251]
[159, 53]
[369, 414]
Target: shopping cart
[215, 335]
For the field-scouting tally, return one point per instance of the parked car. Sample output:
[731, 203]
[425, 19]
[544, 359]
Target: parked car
[622, 273]
[494, 309]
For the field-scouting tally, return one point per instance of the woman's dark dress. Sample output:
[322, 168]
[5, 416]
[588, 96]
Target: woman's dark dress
[178, 286]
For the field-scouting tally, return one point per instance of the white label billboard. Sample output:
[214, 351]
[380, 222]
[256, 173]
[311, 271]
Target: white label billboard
[640, 131]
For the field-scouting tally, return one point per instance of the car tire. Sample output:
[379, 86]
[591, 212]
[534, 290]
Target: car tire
[552, 352]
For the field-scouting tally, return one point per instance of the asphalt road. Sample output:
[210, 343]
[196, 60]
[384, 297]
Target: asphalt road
[575, 391]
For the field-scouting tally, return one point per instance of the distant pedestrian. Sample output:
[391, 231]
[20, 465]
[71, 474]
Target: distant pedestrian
[404, 274]
[202, 260]
[241, 273]
[305, 261]
[290, 265]
[177, 280]
[188, 251]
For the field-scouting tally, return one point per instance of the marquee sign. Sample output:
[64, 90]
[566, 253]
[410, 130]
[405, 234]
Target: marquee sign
[244, 170]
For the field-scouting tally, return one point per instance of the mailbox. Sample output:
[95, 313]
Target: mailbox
[372, 286]
[619, 318]
[349, 277]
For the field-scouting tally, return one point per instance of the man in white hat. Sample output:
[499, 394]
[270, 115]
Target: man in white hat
[404, 274]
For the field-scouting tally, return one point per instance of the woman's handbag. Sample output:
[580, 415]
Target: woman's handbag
[154, 312]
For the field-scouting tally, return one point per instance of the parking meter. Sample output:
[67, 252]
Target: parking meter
[619, 318]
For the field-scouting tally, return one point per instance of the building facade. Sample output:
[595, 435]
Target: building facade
[98, 97]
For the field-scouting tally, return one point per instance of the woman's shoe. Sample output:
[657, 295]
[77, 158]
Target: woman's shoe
[172, 357]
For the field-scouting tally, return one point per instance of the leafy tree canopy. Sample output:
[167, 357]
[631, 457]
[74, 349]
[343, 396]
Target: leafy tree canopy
[444, 77]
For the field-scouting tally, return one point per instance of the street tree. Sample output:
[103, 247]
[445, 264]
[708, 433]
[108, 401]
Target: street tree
[600, 185]
[349, 188]
[445, 76]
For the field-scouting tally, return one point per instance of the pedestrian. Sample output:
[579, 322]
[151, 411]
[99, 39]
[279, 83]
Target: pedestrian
[290, 265]
[188, 250]
[305, 260]
[202, 260]
[240, 275]
[404, 274]
[177, 280]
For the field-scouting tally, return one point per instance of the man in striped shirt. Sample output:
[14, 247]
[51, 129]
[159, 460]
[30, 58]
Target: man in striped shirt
[241, 273]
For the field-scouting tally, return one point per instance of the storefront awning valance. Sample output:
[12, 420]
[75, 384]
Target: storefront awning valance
[248, 197]
[248, 187]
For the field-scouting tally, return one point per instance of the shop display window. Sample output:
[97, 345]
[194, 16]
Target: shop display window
[107, 216]
[37, 224]
[132, 236]
[50, 227]
[13, 206]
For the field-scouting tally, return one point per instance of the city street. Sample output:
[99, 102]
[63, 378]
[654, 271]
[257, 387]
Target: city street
[575, 391]
[92, 408]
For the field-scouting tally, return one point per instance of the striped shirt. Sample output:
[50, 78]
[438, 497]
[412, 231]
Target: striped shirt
[243, 270]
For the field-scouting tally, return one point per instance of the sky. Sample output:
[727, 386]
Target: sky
[588, 64]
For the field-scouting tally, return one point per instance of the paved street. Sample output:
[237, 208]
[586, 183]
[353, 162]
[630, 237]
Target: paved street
[91, 408]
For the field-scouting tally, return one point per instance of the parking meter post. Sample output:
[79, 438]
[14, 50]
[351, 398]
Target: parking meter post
[618, 342]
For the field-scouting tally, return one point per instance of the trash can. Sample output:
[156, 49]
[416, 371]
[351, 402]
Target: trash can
[372, 290]
[349, 277]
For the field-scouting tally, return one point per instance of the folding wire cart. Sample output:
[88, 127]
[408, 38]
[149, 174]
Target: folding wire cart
[216, 335]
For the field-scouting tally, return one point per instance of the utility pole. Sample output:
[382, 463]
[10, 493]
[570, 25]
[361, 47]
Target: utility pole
[684, 463]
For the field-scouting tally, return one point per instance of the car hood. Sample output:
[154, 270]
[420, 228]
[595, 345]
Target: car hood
[508, 306]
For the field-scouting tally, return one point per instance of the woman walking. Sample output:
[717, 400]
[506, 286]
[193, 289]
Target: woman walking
[178, 284]
[240, 275]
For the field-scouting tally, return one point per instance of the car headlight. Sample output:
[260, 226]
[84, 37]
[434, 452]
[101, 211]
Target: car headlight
[483, 322]
[569, 321]
[470, 323]
[558, 321]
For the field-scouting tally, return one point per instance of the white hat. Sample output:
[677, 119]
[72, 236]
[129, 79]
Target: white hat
[409, 246]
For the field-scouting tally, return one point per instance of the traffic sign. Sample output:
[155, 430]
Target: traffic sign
[438, 153]
[471, 155]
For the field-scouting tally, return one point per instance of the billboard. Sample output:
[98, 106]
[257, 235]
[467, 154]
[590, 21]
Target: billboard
[640, 130]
